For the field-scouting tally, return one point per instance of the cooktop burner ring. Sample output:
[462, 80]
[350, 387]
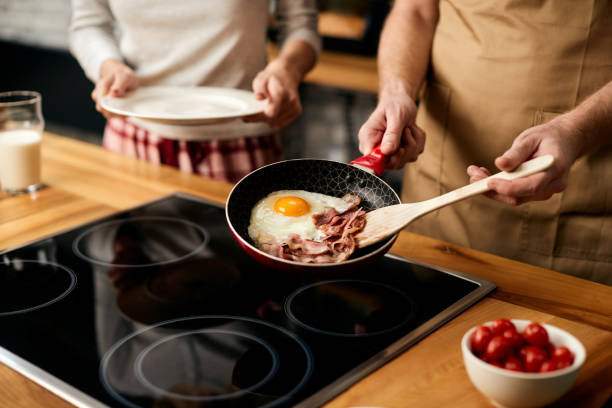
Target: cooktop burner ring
[159, 391]
[105, 363]
[71, 285]
[205, 238]
[400, 296]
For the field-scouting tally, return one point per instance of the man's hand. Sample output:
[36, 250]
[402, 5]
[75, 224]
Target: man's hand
[557, 138]
[403, 57]
[392, 125]
[584, 129]
[116, 79]
[278, 84]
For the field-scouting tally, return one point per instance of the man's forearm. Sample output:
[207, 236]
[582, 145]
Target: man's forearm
[592, 120]
[405, 45]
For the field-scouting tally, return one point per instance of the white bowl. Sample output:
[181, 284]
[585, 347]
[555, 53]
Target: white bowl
[506, 388]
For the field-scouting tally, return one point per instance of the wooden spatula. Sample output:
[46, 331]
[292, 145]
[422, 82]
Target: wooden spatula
[387, 221]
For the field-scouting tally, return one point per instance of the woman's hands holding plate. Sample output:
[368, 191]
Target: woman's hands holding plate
[116, 79]
[278, 84]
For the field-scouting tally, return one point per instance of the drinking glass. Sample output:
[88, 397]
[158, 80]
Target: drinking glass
[21, 126]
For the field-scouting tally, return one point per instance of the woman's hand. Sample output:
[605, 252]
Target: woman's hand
[557, 138]
[392, 124]
[278, 84]
[116, 79]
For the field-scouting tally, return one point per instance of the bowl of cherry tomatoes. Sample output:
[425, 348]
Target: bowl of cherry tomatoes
[520, 363]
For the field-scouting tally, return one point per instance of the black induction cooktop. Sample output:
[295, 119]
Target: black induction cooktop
[158, 306]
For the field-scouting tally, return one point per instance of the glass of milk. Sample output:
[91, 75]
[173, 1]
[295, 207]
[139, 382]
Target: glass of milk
[21, 126]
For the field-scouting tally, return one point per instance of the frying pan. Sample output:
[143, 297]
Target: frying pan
[319, 176]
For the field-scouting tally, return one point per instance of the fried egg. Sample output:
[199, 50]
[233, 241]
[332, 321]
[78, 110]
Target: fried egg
[287, 212]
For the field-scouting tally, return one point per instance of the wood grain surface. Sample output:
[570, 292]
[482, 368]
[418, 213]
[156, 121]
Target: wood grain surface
[85, 182]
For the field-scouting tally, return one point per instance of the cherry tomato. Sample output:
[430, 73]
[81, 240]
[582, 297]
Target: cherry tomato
[498, 348]
[532, 357]
[531, 351]
[495, 363]
[480, 338]
[515, 339]
[548, 366]
[536, 335]
[562, 364]
[562, 353]
[499, 326]
[514, 363]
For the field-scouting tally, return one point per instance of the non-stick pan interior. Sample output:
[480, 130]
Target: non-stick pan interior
[320, 176]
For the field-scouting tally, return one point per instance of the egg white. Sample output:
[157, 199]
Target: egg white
[264, 219]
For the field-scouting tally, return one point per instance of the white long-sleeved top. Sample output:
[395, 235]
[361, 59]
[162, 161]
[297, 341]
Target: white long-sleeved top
[188, 43]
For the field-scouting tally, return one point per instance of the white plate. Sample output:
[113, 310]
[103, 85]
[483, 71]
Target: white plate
[185, 105]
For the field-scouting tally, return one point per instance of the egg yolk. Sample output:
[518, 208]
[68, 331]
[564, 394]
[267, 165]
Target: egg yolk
[291, 206]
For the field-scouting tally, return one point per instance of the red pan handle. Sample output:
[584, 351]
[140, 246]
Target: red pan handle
[373, 162]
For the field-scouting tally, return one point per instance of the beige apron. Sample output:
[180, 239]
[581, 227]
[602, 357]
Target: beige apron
[498, 68]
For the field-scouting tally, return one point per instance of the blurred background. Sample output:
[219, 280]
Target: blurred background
[337, 98]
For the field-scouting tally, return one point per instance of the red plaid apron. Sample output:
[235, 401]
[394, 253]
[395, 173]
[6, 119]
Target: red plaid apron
[227, 160]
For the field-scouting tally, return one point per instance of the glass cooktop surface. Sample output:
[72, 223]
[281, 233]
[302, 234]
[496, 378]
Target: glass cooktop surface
[158, 306]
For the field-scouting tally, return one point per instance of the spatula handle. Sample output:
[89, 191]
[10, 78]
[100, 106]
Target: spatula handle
[526, 169]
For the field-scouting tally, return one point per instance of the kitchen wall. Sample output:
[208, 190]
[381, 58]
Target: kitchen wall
[34, 46]
[34, 49]
[35, 22]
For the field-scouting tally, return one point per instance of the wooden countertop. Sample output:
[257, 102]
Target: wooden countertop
[85, 182]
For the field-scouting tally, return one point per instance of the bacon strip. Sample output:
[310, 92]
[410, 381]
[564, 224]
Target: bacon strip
[337, 244]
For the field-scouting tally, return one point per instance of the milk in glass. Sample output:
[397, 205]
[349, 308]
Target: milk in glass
[19, 159]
